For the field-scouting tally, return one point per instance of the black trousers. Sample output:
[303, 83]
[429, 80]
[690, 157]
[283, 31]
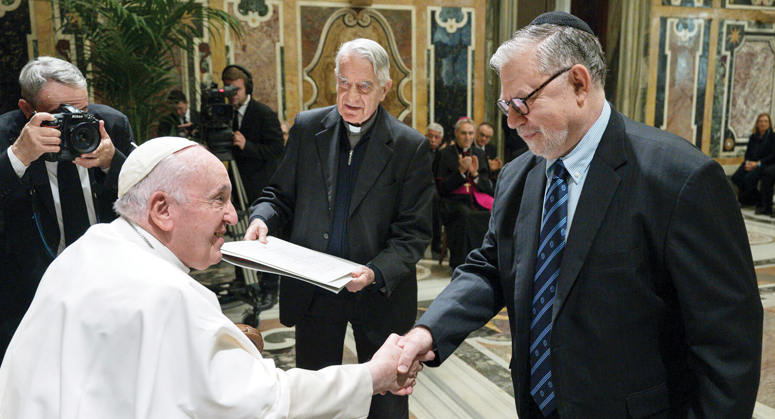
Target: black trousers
[747, 183]
[320, 343]
[767, 181]
[466, 228]
[436, 212]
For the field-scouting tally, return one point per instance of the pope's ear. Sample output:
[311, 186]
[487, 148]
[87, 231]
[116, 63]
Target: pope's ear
[159, 211]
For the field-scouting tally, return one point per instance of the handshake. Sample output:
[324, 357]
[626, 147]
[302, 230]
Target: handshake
[395, 366]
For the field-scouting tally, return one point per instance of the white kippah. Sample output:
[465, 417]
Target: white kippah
[144, 158]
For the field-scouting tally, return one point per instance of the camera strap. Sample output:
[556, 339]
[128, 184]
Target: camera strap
[74, 214]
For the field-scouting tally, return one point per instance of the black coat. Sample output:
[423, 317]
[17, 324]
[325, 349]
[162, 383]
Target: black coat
[258, 161]
[657, 310]
[389, 222]
[761, 148]
[168, 125]
[448, 175]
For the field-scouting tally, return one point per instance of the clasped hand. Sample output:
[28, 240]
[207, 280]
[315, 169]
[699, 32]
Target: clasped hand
[468, 165]
[404, 355]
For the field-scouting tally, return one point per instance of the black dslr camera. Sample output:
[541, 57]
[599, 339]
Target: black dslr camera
[80, 133]
[216, 117]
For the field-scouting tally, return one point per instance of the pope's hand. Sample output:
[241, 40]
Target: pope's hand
[384, 372]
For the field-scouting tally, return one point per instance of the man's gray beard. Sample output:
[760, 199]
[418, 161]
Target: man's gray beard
[550, 144]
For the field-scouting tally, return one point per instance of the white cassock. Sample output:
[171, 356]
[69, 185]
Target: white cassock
[118, 329]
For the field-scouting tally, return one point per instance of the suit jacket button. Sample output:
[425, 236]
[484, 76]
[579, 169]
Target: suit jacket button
[325, 236]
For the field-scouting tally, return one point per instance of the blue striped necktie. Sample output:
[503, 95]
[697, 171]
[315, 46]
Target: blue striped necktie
[550, 250]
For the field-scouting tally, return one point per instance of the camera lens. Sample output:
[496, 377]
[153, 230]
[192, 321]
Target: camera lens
[85, 138]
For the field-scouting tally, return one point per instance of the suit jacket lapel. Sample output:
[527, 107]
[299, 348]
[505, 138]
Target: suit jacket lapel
[599, 189]
[377, 155]
[327, 141]
[527, 231]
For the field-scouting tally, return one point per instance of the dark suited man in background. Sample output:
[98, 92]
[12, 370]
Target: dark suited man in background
[258, 145]
[355, 183]
[484, 133]
[435, 135]
[45, 206]
[618, 250]
[182, 121]
[466, 188]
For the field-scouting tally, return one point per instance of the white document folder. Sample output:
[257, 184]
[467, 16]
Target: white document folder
[281, 257]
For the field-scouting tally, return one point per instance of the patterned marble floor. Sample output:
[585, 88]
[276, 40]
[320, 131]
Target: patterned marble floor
[475, 382]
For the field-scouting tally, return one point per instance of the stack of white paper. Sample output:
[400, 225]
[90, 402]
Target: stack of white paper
[285, 258]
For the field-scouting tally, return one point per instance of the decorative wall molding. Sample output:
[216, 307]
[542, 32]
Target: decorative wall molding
[343, 24]
[745, 83]
[9, 6]
[451, 50]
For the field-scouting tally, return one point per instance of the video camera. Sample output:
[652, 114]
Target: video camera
[217, 116]
[80, 133]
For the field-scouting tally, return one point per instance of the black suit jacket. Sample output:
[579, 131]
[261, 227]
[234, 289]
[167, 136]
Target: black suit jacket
[657, 310]
[168, 125]
[258, 161]
[449, 178]
[29, 232]
[389, 222]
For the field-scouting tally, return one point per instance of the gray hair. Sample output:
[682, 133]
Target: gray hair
[556, 47]
[370, 50]
[37, 73]
[168, 176]
[434, 126]
[464, 120]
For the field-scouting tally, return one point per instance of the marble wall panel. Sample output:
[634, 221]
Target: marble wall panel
[681, 85]
[14, 29]
[259, 50]
[450, 56]
[325, 29]
[745, 82]
[749, 4]
[688, 3]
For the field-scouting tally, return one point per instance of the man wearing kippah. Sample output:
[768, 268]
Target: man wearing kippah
[618, 250]
[118, 329]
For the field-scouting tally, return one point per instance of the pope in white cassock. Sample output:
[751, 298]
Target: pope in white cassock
[118, 329]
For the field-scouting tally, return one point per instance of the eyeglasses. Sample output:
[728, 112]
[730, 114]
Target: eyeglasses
[520, 104]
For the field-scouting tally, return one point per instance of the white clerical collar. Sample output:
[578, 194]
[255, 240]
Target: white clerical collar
[362, 128]
[148, 241]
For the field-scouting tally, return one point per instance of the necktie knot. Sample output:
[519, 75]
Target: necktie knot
[559, 171]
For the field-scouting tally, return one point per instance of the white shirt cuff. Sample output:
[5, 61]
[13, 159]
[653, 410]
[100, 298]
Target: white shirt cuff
[17, 164]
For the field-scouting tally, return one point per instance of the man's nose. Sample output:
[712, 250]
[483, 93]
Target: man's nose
[515, 119]
[231, 214]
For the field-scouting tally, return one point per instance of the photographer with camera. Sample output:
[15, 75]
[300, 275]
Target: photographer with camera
[258, 146]
[59, 164]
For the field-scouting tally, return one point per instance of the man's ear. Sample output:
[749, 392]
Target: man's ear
[26, 108]
[582, 82]
[387, 87]
[159, 211]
